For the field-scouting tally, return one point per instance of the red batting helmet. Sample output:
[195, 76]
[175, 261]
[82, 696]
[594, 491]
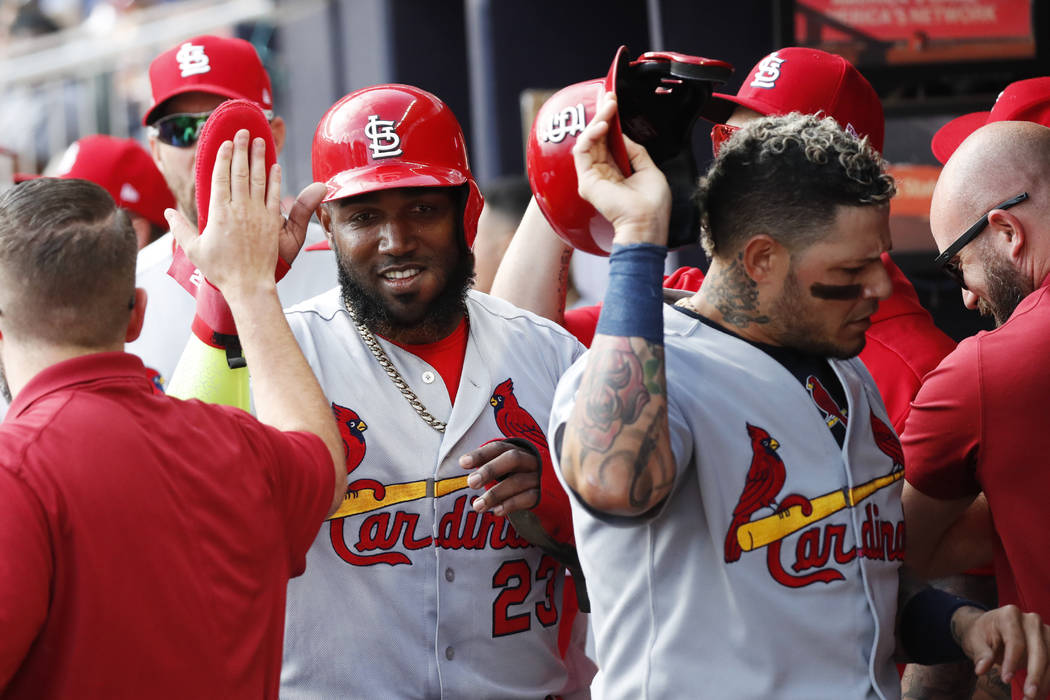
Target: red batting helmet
[389, 136]
[659, 96]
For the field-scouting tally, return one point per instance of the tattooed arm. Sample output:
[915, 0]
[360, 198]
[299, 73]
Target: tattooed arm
[616, 452]
[616, 449]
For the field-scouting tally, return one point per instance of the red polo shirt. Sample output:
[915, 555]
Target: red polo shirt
[146, 542]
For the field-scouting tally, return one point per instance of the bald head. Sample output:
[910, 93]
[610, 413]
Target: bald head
[996, 162]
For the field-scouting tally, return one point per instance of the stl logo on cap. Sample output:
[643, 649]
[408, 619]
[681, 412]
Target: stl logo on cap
[768, 72]
[192, 60]
[385, 141]
[570, 121]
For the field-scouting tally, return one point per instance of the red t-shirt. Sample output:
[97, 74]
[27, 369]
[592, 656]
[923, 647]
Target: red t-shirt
[445, 355]
[976, 426]
[146, 542]
[903, 342]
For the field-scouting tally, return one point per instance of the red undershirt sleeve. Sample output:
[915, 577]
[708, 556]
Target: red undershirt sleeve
[25, 572]
[942, 434]
[582, 321]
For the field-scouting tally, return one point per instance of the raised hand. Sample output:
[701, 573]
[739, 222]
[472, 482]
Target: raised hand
[638, 205]
[238, 247]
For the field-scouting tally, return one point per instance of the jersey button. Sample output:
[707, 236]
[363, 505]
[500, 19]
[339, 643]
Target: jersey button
[449, 653]
[450, 575]
[428, 377]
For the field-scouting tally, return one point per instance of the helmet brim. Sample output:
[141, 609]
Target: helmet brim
[388, 176]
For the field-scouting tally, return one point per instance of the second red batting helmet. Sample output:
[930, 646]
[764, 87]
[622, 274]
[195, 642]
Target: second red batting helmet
[390, 136]
[660, 95]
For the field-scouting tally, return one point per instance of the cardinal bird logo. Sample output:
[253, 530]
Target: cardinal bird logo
[765, 478]
[514, 421]
[887, 442]
[351, 429]
[826, 404]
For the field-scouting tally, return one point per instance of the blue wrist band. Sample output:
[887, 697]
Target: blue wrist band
[633, 305]
[926, 629]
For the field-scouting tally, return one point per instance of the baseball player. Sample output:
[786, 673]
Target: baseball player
[702, 459]
[419, 585]
[188, 81]
[903, 344]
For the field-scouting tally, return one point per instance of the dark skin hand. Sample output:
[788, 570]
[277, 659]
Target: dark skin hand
[516, 472]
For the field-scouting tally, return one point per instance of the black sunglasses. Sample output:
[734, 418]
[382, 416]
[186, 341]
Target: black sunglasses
[182, 130]
[946, 260]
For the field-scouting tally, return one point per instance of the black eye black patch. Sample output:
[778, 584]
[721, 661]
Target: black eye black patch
[835, 292]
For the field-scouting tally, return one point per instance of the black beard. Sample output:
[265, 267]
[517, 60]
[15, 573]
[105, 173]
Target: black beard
[440, 318]
[1006, 288]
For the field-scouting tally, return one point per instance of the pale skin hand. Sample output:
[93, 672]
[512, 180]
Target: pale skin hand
[237, 252]
[1009, 638]
[516, 470]
[616, 450]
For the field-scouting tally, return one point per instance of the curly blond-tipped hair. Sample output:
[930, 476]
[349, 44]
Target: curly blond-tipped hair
[785, 176]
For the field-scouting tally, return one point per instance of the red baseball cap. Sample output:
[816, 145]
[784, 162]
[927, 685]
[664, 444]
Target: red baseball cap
[810, 81]
[1023, 101]
[218, 65]
[125, 169]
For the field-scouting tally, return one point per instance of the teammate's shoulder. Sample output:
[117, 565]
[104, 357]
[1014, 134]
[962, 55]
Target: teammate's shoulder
[156, 255]
[324, 306]
[487, 308]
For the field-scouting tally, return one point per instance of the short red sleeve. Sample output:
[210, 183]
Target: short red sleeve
[942, 434]
[687, 278]
[582, 321]
[303, 478]
[25, 572]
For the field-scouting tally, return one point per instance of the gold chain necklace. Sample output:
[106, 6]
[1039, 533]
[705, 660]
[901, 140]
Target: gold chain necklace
[372, 344]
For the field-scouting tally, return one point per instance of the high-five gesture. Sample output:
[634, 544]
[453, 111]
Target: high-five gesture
[237, 252]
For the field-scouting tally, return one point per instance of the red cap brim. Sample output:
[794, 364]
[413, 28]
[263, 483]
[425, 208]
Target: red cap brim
[614, 137]
[949, 136]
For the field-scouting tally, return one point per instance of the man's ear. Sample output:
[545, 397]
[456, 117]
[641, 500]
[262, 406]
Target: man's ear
[1010, 228]
[154, 150]
[324, 215]
[764, 258]
[138, 316]
[278, 128]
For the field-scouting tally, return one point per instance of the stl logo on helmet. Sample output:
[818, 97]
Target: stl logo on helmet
[385, 143]
[192, 60]
[570, 121]
[768, 72]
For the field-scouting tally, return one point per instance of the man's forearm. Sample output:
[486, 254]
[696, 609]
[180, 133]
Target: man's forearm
[616, 450]
[534, 273]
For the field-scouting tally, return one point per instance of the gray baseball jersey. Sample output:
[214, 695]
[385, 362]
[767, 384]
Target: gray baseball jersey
[721, 594]
[407, 592]
[170, 308]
